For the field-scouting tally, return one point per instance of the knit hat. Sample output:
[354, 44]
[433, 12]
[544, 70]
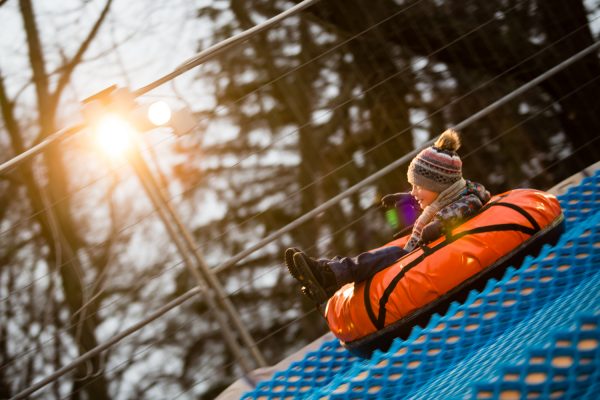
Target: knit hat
[438, 166]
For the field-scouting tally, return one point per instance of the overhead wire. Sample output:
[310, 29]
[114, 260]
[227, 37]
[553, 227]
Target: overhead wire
[187, 324]
[109, 343]
[558, 161]
[312, 311]
[138, 352]
[66, 329]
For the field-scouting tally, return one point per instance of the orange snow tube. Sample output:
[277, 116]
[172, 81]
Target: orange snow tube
[368, 315]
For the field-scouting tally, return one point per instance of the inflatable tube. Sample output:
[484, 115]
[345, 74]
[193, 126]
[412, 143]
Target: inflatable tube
[368, 315]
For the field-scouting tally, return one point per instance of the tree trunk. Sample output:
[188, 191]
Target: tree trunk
[575, 88]
[57, 228]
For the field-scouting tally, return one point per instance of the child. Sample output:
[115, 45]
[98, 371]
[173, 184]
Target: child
[438, 187]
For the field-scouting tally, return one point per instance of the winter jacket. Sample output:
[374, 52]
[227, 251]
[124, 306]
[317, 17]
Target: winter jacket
[472, 198]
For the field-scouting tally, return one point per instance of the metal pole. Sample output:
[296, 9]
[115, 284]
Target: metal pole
[226, 44]
[145, 177]
[207, 273]
[38, 148]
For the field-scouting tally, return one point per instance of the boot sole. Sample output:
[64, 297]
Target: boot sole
[297, 274]
[289, 263]
[317, 293]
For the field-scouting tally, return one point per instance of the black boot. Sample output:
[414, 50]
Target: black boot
[316, 276]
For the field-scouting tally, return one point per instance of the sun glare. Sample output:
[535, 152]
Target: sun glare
[114, 135]
[159, 113]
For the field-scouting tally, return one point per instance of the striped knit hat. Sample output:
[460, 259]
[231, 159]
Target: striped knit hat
[437, 167]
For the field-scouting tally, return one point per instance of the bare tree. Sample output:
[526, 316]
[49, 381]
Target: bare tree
[41, 190]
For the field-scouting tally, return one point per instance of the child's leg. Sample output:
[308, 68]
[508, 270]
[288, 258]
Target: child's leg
[322, 278]
[365, 265]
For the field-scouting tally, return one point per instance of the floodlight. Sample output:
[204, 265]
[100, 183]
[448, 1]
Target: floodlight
[159, 113]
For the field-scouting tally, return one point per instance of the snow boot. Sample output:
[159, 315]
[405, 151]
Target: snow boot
[316, 276]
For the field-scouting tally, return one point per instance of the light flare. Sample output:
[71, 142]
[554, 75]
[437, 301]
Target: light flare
[114, 135]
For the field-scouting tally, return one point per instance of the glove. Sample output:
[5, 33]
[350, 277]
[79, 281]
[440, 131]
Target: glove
[391, 200]
[432, 231]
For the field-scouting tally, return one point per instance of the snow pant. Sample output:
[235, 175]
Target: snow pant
[365, 265]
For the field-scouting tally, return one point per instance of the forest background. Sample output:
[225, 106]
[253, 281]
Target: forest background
[286, 121]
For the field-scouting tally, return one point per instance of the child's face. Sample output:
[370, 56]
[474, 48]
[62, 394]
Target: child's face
[424, 197]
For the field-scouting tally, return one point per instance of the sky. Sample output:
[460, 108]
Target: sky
[152, 38]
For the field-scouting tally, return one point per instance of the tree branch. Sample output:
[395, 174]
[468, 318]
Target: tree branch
[10, 122]
[70, 66]
[36, 58]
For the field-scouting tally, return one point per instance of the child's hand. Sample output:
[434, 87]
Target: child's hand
[391, 200]
[431, 231]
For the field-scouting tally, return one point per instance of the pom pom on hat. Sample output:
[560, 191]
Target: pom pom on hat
[437, 167]
[448, 140]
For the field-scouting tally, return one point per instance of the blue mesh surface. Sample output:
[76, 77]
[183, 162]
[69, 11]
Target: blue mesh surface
[533, 334]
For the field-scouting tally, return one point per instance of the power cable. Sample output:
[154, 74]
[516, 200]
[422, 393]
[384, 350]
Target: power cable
[138, 352]
[224, 45]
[556, 162]
[186, 325]
[66, 329]
[259, 341]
